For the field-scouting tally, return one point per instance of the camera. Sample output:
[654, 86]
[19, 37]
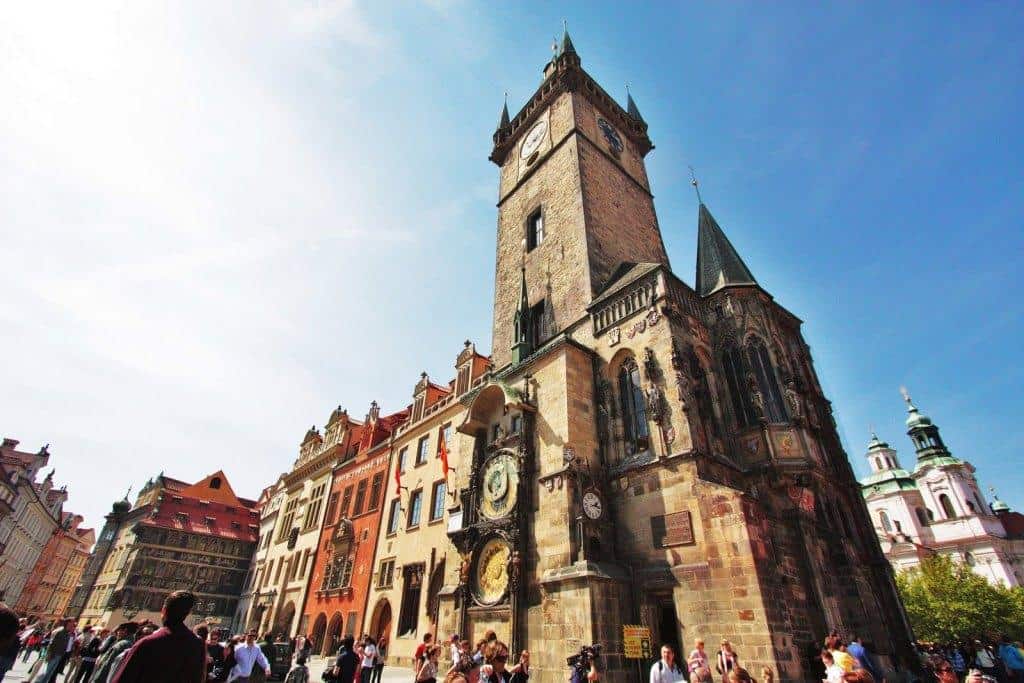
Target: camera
[588, 654]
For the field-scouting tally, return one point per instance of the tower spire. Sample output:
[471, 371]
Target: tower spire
[631, 107]
[567, 47]
[504, 122]
[718, 263]
[522, 323]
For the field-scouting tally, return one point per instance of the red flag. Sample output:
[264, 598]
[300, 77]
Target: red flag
[398, 478]
[444, 454]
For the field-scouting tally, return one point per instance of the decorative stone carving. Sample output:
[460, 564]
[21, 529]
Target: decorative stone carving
[685, 393]
[614, 336]
[655, 406]
[756, 399]
[653, 316]
[637, 328]
[650, 364]
[795, 401]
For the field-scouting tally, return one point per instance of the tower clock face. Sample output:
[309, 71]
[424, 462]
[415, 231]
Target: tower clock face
[611, 135]
[500, 486]
[533, 139]
[592, 506]
[491, 575]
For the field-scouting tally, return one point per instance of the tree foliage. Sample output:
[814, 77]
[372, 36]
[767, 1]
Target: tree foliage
[946, 601]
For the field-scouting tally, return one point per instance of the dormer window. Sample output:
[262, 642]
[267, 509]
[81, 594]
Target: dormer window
[215, 483]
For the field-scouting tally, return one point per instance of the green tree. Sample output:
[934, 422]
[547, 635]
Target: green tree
[946, 601]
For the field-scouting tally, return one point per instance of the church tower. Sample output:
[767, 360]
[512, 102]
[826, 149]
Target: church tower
[574, 201]
[643, 451]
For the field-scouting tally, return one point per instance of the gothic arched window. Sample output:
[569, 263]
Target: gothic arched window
[761, 362]
[884, 519]
[947, 506]
[634, 411]
[732, 363]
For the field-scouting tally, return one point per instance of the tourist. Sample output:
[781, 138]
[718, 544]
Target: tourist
[864, 659]
[859, 676]
[497, 657]
[172, 653]
[299, 672]
[216, 657]
[1012, 660]
[727, 660]
[347, 663]
[521, 671]
[974, 676]
[61, 640]
[462, 662]
[420, 655]
[9, 641]
[367, 656]
[122, 640]
[249, 657]
[740, 675]
[842, 658]
[453, 647]
[480, 652]
[32, 643]
[428, 670]
[378, 665]
[702, 675]
[90, 653]
[984, 658]
[698, 658]
[833, 672]
[75, 660]
[666, 669]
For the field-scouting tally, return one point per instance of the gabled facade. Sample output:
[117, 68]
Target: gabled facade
[939, 508]
[340, 581]
[35, 514]
[283, 579]
[48, 590]
[177, 536]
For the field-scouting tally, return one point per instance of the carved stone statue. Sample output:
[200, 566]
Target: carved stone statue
[756, 398]
[655, 408]
[650, 363]
[795, 401]
[683, 387]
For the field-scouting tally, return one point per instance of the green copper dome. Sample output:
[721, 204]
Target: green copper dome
[998, 505]
[887, 481]
[937, 461]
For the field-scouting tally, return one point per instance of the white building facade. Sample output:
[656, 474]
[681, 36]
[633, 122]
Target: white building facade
[939, 509]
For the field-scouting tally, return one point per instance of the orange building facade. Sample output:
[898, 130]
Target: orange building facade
[340, 581]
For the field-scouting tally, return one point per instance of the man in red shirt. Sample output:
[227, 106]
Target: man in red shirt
[171, 655]
[421, 654]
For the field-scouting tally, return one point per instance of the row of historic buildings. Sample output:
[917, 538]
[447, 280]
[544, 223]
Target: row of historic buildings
[634, 450]
[938, 508]
[175, 536]
[43, 549]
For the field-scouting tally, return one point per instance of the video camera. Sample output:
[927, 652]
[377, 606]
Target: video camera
[588, 655]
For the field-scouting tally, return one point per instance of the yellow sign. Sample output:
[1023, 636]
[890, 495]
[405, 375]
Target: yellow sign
[636, 642]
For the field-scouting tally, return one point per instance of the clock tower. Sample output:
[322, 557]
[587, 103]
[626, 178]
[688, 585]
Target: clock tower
[574, 203]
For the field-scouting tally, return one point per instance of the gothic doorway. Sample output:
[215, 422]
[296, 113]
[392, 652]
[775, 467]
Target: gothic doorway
[333, 638]
[668, 629]
[283, 623]
[319, 631]
[380, 623]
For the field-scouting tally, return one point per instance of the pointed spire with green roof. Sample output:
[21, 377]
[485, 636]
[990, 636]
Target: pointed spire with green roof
[925, 435]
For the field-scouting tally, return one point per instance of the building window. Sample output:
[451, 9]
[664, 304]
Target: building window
[969, 559]
[884, 519]
[346, 501]
[396, 507]
[444, 435]
[538, 323]
[408, 616]
[386, 575]
[947, 506]
[332, 508]
[534, 230]
[765, 373]
[422, 449]
[289, 518]
[415, 505]
[921, 516]
[313, 510]
[357, 507]
[732, 363]
[350, 623]
[634, 412]
[463, 382]
[375, 490]
[437, 500]
[403, 459]
[215, 483]
[516, 424]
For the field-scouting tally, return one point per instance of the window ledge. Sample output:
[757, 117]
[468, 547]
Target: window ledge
[435, 522]
[413, 528]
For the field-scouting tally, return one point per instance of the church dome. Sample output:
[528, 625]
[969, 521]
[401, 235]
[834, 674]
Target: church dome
[998, 505]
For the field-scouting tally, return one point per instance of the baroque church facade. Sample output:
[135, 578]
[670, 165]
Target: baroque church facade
[641, 451]
[939, 508]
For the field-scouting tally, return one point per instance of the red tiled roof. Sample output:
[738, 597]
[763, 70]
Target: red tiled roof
[190, 515]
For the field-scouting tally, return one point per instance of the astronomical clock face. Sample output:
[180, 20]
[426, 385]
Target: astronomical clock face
[499, 485]
[533, 139]
[611, 135]
[491, 579]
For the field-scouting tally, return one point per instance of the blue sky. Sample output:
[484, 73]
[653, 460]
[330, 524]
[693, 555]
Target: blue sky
[221, 221]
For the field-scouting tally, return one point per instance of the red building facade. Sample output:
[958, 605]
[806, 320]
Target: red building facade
[340, 581]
